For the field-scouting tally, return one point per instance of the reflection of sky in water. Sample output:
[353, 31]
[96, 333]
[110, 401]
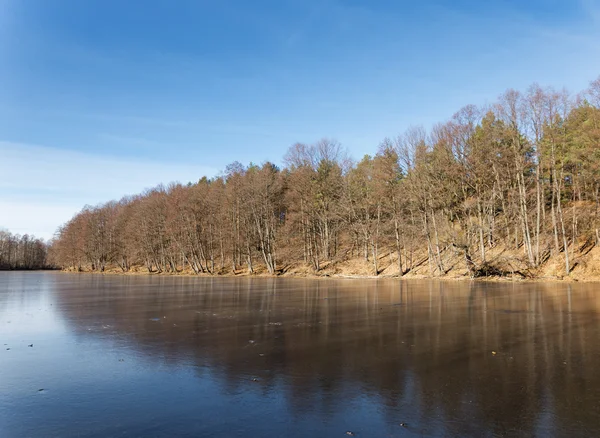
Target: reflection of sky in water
[28, 306]
[167, 356]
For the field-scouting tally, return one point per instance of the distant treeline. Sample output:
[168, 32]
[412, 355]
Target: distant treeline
[22, 252]
[522, 174]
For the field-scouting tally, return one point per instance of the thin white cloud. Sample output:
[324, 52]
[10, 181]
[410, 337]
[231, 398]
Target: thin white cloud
[42, 187]
[38, 218]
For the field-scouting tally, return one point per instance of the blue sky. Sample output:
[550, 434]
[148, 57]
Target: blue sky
[103, 98]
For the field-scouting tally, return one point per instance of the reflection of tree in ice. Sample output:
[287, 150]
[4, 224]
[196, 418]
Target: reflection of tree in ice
[419, 347]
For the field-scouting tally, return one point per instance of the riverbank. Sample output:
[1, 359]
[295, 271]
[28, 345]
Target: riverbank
[489, 279]
[4, 269]
[502, 265]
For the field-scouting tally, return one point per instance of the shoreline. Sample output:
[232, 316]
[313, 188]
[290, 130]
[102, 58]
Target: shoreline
[325, 276]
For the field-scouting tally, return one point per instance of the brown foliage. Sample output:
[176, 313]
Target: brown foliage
[513, 175]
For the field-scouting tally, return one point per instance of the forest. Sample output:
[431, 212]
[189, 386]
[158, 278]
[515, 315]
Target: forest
[507, 189]
[22, 252]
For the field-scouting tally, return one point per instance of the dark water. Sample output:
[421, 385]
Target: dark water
[164, 357]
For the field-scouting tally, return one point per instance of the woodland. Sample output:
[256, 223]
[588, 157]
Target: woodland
[22, 252]
[508, 189]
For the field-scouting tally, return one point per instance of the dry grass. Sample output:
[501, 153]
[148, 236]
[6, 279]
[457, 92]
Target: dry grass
[504, 263]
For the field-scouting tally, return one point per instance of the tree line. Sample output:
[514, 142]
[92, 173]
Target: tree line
[22, 252]
[520, 177]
